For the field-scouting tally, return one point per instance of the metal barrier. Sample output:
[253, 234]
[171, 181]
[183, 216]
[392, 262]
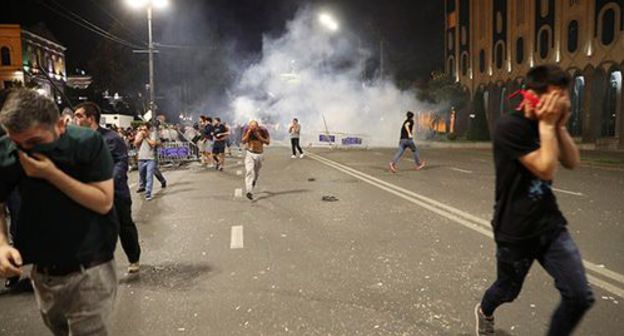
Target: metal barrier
[169, 153]
[177, 153]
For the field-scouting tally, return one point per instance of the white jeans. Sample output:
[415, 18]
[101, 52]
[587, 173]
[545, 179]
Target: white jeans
[253, 163]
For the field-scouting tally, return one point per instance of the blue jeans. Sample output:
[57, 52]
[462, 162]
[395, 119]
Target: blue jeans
[403, 145]
[146, 176]
[560, 257]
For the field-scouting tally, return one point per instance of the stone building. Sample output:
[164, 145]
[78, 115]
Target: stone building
[26, 53]
[491, 44]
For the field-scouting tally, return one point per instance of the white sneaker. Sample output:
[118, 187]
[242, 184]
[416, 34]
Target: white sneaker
[301, 156]
[293, 157]
[133, 268]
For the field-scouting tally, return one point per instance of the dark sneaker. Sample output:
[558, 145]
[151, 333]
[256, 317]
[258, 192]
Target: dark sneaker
[392, 167]
[250, 196]
[11, 282]
[485, 325]
[140, 190]
[149, 198]
[134, 268]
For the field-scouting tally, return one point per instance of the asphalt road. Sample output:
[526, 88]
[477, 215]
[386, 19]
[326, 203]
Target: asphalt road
[396, 254]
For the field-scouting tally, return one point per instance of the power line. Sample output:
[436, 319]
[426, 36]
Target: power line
[87, 22]
[91, 27]
[114, 18]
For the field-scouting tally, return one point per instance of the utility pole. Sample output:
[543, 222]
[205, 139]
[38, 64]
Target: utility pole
[381, 59]
[150, 49]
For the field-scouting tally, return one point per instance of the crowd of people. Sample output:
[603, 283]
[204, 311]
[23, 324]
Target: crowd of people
[80, 174]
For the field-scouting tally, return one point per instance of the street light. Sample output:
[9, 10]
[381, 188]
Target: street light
[328, 22]
[149, 5]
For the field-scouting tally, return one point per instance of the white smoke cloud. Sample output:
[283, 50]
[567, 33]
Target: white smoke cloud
[309, 73]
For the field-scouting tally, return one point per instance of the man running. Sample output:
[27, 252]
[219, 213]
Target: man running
[255, 138]
[209, 141]
[88, 114]
[527, 223]
[295, 133]
[220, 133]
[67, 227]
[407, 141]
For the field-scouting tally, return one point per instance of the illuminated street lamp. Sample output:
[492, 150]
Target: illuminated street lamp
[149, 5]
[328, 22]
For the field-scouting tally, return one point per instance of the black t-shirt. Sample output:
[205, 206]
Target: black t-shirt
[52, 228]
[208, 131]
[525, 205]
[216, 130]
[410, 125]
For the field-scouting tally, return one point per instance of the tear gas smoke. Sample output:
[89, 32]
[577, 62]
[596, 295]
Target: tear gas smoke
[311, 73]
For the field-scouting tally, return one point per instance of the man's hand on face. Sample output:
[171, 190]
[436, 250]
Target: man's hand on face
[10, 261]
[565, 107]
[38, 166]
[548, 110]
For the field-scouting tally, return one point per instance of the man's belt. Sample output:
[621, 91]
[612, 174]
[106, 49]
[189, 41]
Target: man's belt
[250, 151]
[66, 269]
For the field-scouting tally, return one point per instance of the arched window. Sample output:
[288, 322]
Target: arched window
[544, 43]
[575, 125]
[5, 55]
[451, 67]
[464, 64]
[573, 33]
[500, 55]
[607, 26]
[482, 61]
[611, 104]
[520, 50]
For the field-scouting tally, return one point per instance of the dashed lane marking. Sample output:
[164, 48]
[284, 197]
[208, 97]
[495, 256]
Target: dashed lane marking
[236, 237]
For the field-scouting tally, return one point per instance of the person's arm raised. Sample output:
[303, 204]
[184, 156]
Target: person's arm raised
[95, 196]
[543, 161]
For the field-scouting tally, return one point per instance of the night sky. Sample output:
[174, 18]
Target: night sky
[412, 30]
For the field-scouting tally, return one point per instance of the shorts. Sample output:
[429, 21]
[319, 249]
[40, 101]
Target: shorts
[218, 148]
[201, 145]
[208, 146]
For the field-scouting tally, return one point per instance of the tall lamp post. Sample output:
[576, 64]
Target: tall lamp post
[149, 5]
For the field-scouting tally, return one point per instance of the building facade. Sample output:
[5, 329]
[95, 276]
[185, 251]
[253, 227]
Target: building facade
[25, 55]
[491, 44]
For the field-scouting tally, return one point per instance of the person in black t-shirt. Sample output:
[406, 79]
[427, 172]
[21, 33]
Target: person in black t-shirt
[407, 141]
[529, 143]
[66, 227]
[220, 133]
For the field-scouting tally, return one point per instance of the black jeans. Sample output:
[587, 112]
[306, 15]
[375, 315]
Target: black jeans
[14, 202]
[128, 234]
[294, 142]
[561, 259]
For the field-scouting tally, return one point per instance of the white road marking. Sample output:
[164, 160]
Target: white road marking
[238, 192]
[568, 192]
[462, 170]
[239, 172]
[465, 219]
[236, 238]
